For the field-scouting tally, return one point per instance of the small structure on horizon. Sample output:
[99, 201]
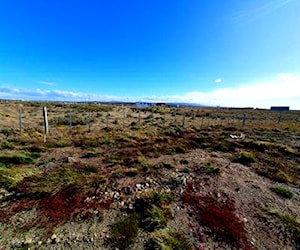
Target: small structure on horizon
[280, 108]
[144, 104]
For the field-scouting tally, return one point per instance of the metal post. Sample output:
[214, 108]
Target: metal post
[46, 131]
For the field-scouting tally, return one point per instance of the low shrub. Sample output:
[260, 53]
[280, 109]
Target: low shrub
[124, 231]
[245, 158]
[282, 192]
[208, 168]
[153, 210]
[90, 155]
[131, 172]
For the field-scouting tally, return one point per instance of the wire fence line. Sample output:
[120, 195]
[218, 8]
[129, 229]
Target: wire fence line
[93, 117]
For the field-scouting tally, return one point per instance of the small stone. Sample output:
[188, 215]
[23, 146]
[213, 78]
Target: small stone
[130, 206]
[40, 243]
[127, 190]
[116, 195]
[71, 160]
[28, 241]
[245, 220]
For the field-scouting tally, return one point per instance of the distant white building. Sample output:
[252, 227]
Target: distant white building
[144, 104]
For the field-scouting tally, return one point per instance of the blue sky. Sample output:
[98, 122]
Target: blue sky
[232, 53]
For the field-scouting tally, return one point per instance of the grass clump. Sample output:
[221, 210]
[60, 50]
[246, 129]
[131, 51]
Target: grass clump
[291, 225]
[153, 210]
[124, 231]
[90, 155]
[131, 172]
[208, 168]
[169, 239]
[158, 217]
[10, 177]
[282, 192]
[245, 158]
[184, 161]
[19, 158]
[51, 181]
[99, 183]
[6, 145]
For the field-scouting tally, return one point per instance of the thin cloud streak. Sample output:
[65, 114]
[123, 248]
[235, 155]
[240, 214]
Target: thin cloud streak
[243, 17]
[283, 89]
[47, 83]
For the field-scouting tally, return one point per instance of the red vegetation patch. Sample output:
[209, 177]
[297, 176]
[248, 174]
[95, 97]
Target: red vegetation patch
[219, 216]
[61, 206]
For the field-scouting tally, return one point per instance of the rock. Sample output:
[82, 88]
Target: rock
[71, 159]
[116, 195]
[48, 166]
[54, 239]
[28, 241]
[127, 190]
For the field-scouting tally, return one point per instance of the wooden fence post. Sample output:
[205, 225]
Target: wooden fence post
[139, 118]
[183, 120]
[279, 118]
[244, 120]
[70, 119]
[123, 109]
[46, 131]
[106, 122]
[20, 119]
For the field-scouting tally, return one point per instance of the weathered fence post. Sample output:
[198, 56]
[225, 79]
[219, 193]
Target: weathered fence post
[244, 120]
[70, 119]
[123, 109]
[279, 118]
[139, 118]
[20, 119]
[89, 120]
[46, 131]
[183, 120]
[106, 122]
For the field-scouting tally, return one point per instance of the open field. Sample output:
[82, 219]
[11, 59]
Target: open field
[112, 176]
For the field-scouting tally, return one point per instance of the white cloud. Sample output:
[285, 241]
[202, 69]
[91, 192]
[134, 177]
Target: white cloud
[47, 83]
[219, 80]
[283, 89]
